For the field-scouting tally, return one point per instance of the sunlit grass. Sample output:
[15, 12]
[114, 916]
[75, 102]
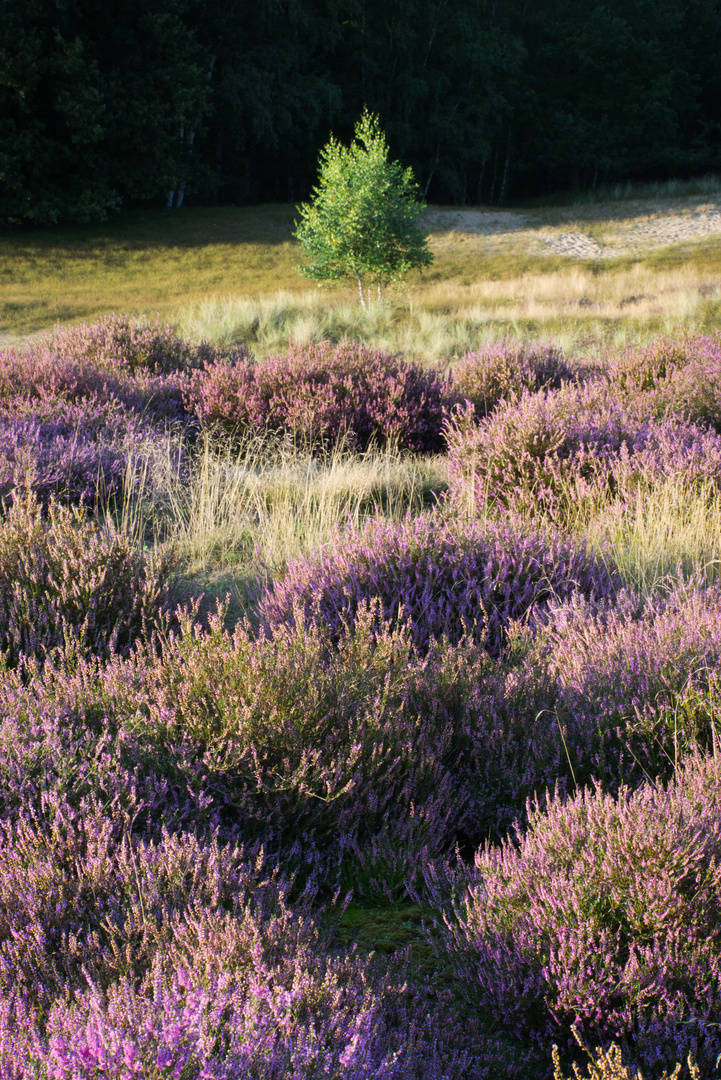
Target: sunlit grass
[230, 275]
[245, 511]
[582, 310]
[669, 533]
[155, 262]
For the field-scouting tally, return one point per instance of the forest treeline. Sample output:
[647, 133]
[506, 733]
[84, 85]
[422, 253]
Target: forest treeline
[229, 101]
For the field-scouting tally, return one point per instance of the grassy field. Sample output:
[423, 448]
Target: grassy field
[230, 275]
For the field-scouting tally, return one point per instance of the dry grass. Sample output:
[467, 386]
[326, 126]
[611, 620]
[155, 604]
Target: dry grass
[669, 533]
[586, 311]
[245, 511]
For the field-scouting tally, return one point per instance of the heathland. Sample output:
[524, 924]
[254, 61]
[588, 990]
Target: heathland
[359, 710]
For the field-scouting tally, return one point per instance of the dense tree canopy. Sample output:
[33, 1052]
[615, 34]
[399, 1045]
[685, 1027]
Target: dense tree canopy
[231, 101]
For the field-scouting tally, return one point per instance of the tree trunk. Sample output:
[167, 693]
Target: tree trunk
[492, 192]
[360, 290]
[479, 189]
[430, 175]
[504, 181]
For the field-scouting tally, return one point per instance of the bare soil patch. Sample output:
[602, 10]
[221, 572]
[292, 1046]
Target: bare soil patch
[604, 231]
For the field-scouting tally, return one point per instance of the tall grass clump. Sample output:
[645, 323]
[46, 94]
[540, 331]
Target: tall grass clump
[607, 1064]
[661, 532]
[66, 581]
[251, 506]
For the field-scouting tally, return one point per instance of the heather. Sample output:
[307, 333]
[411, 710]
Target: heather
[354, 758]
[564, 454]
[605, 915]
[446, 579]
[124, 957]
[629, 686]
[67, 583]
[432, 786]
[320, 393]
[85, 411]
[507, 369]
[680, 374]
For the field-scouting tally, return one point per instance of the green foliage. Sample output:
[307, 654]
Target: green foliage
[363, 219]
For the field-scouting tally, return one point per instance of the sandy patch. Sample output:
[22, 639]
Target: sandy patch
[615, 230]
[483, 222]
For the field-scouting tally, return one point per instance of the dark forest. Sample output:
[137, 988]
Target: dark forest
[163, 102]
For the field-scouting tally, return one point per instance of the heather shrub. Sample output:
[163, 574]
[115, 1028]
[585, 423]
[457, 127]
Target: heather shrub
[116, 343]
[565, 453]
[83, 364]
[443, 579]
[314, 1018]
[645, 681]
[278, 741]
[84, 412]
[98, 902]
[538, 454]
[320, 393]
[363, 757]
[652, 366]
[82, 453]
[498, 371]
[126, 956]
[65, 580]
[603, 915]
[611, 692]
[679, 375]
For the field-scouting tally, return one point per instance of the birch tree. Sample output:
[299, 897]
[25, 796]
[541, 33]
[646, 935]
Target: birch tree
[362, 222]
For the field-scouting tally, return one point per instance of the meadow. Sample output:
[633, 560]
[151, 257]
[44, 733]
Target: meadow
[360, 687]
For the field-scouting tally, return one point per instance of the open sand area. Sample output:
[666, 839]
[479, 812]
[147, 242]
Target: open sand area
[605, 231]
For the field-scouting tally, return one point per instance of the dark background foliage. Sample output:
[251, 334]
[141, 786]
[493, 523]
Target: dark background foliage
[228, 101]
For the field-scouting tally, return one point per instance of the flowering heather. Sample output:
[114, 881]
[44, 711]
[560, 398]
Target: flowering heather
[83, 453]
[115, 343]
[321, 393]
[82, 411]
[278, 741]
[361, 756]
[497, 371]
[142, 368]
[643, 684]
[680, 375]
[650, 367]
[123, 957]
[444, 579]
[64, 580]
[555, 453]
[312, 1018]
[606, 915]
